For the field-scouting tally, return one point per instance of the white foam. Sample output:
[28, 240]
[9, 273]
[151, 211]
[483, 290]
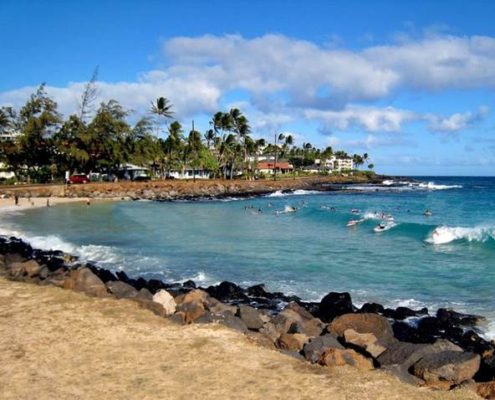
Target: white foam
[445, 234]
[490, 331]
[299, 192]
[433, 186]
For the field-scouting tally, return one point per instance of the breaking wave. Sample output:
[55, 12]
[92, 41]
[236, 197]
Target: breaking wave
[299, 192]
[433, 186]
[446, 234]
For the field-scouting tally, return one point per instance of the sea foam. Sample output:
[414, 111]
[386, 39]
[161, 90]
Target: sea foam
[299, 192]
[446, 234]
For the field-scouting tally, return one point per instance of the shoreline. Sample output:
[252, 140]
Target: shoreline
[168, 190]
[283, 322]
[112, 348]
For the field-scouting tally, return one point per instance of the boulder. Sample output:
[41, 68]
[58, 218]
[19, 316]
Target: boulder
[486, 390]
[401, 313]
[227, 291]
[231, 321]
[270, 330]
[150, 305]
[259, 291]
[217, 307]
[166, 300]
[196, 296]
[363, 323]
[261, 339]
[317, 346]
[335, 304]
[339, 357]
[398, 352]
[251, 317]
[373, 308]
[29, 269]
[447, 368]
[84, 280]
[365, 341]
[291, 341]
[121, 290]
[407, 354]
[178, 318]
[144, 294]
[296, 319]
[192, 310]
[32, 268]
[206, 318]
[451, 317]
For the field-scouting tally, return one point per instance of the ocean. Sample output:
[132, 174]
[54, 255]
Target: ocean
[446, 259]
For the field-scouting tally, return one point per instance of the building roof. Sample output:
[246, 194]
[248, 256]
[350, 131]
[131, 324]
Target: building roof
[271, 165]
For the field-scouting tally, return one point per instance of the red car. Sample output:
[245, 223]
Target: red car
[78, 178]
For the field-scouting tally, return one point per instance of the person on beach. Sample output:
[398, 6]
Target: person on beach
[48, 202]
[16, 200]
[88, 202]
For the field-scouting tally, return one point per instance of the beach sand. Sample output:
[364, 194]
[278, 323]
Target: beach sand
[27, 203]
[57, 344]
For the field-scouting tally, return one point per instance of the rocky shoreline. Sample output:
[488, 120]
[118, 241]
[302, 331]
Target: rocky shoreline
[442, 350]
[188, 190]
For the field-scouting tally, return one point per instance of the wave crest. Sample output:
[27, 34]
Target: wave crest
[446, 234]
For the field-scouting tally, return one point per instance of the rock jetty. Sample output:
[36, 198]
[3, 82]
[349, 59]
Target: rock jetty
[441, 350]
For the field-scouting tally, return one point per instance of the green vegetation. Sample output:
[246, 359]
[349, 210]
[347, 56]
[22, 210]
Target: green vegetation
[39, 145]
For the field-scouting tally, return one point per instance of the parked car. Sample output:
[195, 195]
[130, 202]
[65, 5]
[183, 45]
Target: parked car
[78, 178]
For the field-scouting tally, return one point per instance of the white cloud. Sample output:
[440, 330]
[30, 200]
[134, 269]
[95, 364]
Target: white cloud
[372, 119]
[287, 79]
[455, 122]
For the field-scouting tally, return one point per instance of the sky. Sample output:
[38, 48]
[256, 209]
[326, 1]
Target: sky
[411, 83]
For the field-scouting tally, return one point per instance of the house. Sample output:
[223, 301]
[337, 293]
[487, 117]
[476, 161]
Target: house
[189, 173]
[132, 172]
[5, 172]
[316, 168]
[11, 135]
[269, 167]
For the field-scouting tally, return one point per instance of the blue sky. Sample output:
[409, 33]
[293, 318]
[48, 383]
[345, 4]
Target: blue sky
[411, 83]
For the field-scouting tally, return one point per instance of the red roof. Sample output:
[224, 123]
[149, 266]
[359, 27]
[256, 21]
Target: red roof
[271, 165]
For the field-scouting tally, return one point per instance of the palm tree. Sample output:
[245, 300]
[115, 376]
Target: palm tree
[161, 108]
[280, 137]
[210, 137]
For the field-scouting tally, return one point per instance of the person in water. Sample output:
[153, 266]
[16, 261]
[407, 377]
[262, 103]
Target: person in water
[427, 213]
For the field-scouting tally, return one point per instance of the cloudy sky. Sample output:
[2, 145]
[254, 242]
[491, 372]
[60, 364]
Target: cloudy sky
[410, 83]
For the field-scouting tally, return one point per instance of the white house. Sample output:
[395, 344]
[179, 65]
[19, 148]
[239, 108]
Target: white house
[189, 173]
[5, 173]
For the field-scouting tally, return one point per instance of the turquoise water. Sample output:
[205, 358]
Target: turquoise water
[307, 253]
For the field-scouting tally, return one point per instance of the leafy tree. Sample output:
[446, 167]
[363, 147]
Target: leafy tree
[38, 121]
[106, 135]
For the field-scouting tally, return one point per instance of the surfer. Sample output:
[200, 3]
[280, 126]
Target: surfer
[427, 213]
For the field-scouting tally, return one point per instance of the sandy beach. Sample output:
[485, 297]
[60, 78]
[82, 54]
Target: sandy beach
[56, 343]
[36, 202]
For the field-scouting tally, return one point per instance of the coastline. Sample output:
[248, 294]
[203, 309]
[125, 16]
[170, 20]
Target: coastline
[57, 343]
[382, 339]
[169, 190]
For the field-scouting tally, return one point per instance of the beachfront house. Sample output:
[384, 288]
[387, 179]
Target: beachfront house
[189, 173]
[130, 172]
[269, 167]
[5, 172]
